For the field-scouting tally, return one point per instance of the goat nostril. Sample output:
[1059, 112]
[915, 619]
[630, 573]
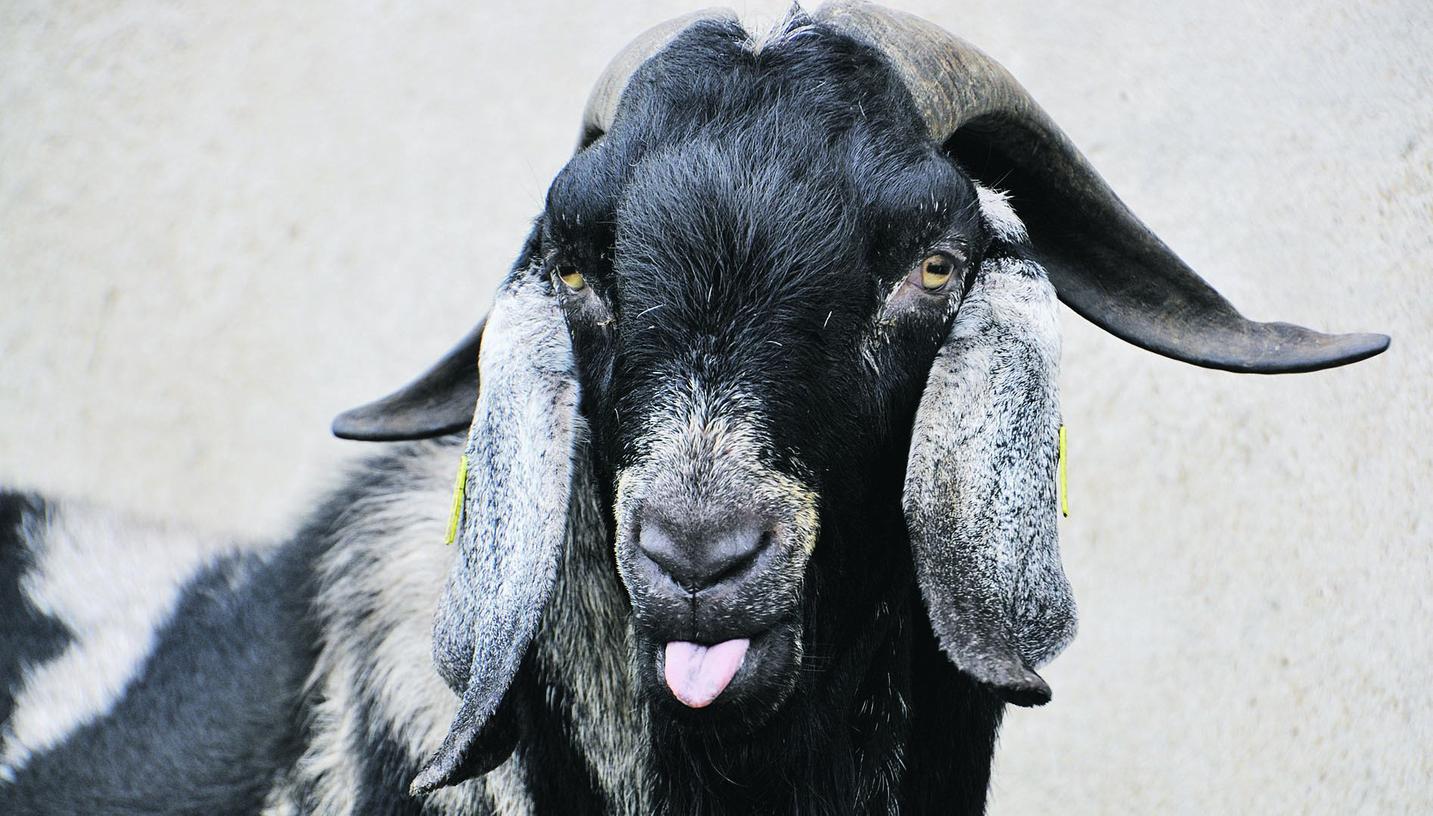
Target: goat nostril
[731, 561]
[654, 541]
[699, 560]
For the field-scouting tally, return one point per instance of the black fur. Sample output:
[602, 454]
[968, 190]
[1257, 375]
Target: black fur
[27, 636]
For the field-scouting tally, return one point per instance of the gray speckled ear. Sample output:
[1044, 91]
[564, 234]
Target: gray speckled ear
[980, 493]
[510, 538]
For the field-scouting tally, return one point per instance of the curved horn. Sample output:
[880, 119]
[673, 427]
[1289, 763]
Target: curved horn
[601, 106]
[1105, 263]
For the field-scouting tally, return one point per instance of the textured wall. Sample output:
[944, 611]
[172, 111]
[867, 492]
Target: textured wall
[222, 223]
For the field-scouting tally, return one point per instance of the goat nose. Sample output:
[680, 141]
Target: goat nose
[699, 560]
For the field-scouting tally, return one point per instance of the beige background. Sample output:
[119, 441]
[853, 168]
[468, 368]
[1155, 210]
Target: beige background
[221, 223]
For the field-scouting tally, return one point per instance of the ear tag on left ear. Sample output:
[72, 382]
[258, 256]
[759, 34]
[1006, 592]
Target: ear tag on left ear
[459, 488]
[1064, 487]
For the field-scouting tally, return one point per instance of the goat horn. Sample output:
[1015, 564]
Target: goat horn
[601, 106]
[1105, 263]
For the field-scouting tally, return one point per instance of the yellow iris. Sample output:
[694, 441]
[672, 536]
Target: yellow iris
[936, 271]
[571, 278]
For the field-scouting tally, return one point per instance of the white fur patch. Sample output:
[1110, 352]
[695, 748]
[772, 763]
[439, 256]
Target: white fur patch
[999, 216]
[282, 800]
[770, 34]
[113, 583]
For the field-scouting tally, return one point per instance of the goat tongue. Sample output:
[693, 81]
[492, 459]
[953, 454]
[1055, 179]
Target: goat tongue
[697, 674]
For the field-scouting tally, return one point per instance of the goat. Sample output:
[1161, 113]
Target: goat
[757, 503]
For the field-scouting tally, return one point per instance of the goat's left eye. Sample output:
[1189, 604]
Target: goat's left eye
[934, 272]
[571, 277]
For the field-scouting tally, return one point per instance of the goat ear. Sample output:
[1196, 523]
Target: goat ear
[437, 403]
[440, 400]
[980, 492]
[521, 452]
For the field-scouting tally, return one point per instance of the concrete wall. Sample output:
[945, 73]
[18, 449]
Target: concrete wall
[221, 223]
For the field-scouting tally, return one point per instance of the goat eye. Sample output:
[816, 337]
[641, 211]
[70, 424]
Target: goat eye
[935, 271]
[571, 277]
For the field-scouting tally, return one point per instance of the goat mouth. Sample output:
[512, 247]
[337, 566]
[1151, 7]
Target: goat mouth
[697, 674]
[731, 685]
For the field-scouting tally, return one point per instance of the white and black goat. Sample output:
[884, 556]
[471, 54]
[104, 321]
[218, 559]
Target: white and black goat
[759, 498]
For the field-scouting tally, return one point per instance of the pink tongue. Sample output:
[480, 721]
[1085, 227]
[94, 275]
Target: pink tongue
[697, 674]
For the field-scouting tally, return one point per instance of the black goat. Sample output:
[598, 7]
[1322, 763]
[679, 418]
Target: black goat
[757, 507]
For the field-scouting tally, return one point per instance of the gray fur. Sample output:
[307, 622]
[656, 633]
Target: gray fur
[702, 461]
[379, 586]
[584, 642]
[980, 493]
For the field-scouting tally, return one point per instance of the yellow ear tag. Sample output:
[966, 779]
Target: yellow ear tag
[459, 488]
[1064, 487]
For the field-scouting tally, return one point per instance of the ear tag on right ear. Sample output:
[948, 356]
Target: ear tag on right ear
[459, 489]
[1064, 487]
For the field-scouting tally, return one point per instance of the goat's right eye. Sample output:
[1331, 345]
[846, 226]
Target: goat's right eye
[936, 271]
[571, 277]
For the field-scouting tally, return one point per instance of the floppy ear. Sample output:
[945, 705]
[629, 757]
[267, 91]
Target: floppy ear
[520, 454]
[980, 493]
[437, 403]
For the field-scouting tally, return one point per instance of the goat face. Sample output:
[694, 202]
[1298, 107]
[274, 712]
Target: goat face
[753, 313]
[772, 320]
